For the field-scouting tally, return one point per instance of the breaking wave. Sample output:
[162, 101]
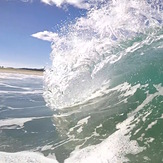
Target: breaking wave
[85, 53]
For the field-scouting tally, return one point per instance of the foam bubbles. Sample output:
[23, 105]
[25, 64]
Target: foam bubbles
[113, 149]
[24, 157]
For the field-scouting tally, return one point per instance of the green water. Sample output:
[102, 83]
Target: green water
[128, 112]
[135, 91]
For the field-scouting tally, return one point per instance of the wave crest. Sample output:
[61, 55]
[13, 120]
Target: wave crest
[83, 52]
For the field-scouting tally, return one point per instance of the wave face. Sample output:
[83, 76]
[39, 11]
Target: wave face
[85, 52]
[106, 83]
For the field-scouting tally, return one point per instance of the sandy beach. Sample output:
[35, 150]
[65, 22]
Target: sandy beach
[21, 71]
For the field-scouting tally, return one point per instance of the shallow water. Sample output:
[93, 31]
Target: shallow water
[25, 121]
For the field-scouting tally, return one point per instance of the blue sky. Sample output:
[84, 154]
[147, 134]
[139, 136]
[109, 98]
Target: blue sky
[20, 19]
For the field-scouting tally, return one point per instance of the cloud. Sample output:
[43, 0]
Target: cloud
[83, 4]
[77, 3]
[46, 35]
[27, 0]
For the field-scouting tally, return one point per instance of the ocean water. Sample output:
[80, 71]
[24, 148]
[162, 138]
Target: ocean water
[103, 93]
[25, 121]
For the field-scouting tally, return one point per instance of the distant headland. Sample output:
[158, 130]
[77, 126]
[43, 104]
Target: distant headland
[26, 71]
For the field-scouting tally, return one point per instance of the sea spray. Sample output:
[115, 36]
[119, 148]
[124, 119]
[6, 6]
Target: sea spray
[83, 51]
[107, 72]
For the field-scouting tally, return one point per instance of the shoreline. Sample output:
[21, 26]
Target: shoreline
[21, 71]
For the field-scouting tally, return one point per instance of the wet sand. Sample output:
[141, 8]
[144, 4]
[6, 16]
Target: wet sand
[21, 71]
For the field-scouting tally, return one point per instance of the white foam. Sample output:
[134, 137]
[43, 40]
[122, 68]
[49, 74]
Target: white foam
[16, 122]
[6, 78]
[149, 98]
[25, 157]
[84, 121]
[83, 52]
[22, 92]
[151, 125]
[116, 146]
[146, 115]
[18, 76]
[112, 150]
[28, 107]
[13, 86]
[80, 125]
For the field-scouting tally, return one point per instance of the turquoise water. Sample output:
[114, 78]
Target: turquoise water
[104, 91]
[124, 120]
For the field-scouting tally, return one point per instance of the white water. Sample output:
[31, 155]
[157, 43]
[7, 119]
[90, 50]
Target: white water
[24, 157]
[113, 149]
[82, 51]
